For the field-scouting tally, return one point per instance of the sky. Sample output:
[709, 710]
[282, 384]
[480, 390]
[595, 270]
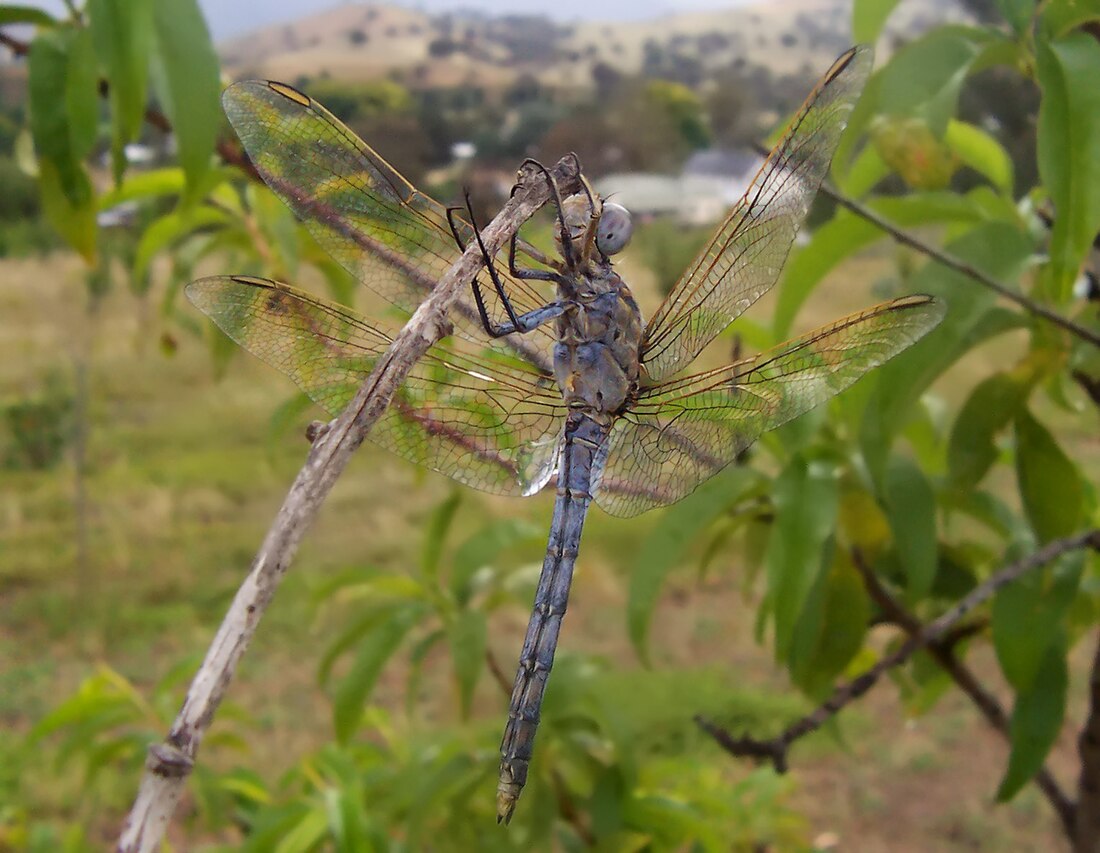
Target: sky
[227, 18]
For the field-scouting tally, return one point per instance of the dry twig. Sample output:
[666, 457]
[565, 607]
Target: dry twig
[169, 763]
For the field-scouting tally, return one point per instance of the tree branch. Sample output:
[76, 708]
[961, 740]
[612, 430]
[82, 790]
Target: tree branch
[959, 266]
[169, 763]
[1087, 836]
[942, 651]
[776, 749]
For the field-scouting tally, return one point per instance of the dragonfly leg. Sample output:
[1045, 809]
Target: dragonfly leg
[531, 274]
[515, 323]
[498, 285]
[567, 249]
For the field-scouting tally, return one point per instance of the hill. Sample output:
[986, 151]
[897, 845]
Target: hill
[358, 41]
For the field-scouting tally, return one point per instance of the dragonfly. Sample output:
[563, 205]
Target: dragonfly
[551, 374]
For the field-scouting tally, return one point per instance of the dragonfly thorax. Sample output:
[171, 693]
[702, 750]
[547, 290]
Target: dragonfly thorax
[596, 359]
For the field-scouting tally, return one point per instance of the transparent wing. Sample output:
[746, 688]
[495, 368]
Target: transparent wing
[683, 431]
[373, 222]
[490, 421]
[744, 258]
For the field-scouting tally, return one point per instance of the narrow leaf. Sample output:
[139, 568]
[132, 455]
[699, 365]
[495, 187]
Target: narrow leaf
[74, 222]
[1050, 483]
[868, 18]
[436, 534]
[1036, 720]
[830, 628]
[186, 75]
[971, 450]
[1069, 150]
[911, 507]
[121, 31]
[376, 649]
[1027, 616]
[981, 152]
[806, 498]
[13, 14]
[82, 94]
[469, 637]
[48, 66]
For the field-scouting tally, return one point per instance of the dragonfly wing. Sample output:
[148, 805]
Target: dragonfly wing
[745, 256]
[488, 420]
[683, 431]
[393, 238]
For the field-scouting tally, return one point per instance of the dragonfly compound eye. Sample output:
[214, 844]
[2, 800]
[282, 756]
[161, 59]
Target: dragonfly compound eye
[615, 229]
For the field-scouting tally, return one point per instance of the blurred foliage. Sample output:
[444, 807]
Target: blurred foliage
[38, 428]
[935, 497]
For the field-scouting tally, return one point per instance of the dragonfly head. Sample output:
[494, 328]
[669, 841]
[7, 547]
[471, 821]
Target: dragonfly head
[609, 226]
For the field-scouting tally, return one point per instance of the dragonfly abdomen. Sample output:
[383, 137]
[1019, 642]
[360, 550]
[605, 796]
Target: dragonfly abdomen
[583, 438]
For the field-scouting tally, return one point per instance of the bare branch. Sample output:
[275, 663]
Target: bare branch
[169, 763]
[942, 651]
[775, 749]
[1087, 835]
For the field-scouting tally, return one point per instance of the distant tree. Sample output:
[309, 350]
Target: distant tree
[442, 47]
[358, 37]
[730, 109]
[606, 77]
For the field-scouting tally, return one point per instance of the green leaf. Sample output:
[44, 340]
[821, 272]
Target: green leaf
[51, 125]
[1061, 16]
[304, 836]
[1027, 618]
[911, 508]
[74, 222]
[864, 173]
[830, 629]
[806, 497]
[981, 152]
[436, 534]
[165, 231]
[1051, 486]
[375, 650]
[469, 637]
[121, 33]
[82, 94]
[868, 18]
[925, 76]
[672, 533]
[1069, 150]
[1036, 720]
[1018, 13]
[996, 248]
[187, 79]
[846, 233]
[12, 14]
[989, 409]
[482, 548]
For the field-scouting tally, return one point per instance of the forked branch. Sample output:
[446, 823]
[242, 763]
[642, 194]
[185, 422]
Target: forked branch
[942, 651]
[776, 749]
[170, 763]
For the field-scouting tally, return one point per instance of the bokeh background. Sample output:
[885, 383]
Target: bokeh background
[142, 456]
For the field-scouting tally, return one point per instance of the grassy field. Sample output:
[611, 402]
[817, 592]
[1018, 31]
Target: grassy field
[184, 474]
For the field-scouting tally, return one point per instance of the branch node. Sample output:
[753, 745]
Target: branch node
[167, 761]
